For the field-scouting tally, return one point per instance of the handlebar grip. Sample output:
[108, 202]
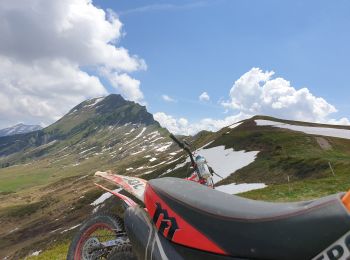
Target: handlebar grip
[183, 146]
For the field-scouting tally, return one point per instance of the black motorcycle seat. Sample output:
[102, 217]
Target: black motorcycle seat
[256, 229]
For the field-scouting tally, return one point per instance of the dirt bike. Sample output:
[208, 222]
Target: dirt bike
[180, 219]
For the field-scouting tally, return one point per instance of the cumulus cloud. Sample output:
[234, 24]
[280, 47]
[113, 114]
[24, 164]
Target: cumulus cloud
[40, 93]
[256, 92]
[341, 121]
[124, 84]
[71, 29]
[204, 97]
[183, 127]
[44, 46]
[168, 99]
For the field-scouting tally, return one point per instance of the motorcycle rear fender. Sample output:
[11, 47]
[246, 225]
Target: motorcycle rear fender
[148, 243]
[128, 202]
[133, 185]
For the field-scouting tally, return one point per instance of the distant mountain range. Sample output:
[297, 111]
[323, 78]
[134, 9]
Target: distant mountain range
[19, 129]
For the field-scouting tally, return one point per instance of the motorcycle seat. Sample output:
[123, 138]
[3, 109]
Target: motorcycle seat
[256, 229]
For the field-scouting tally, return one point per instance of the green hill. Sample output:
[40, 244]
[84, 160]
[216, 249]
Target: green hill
[295, 165]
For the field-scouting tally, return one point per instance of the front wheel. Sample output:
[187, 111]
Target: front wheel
[97, 237]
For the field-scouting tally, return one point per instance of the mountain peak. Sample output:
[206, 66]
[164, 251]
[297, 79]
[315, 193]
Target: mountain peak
[19, 129]
[100, 112]
[90, 117]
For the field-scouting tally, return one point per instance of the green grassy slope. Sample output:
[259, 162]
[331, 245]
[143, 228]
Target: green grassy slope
[284, 153]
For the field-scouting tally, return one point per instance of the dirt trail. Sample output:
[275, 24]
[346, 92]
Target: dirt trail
[323, 143]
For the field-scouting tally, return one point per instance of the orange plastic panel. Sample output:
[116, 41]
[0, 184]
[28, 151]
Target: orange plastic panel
[346, 200]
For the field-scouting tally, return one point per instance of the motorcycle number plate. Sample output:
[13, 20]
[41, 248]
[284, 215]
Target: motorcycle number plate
[135, 186]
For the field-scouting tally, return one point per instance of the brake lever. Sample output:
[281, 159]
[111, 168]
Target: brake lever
[218, 175]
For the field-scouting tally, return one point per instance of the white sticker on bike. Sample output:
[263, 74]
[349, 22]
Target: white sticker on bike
[338, 250]
[137, 185]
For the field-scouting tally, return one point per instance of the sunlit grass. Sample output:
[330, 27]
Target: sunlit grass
[301, 190]
[56, 252]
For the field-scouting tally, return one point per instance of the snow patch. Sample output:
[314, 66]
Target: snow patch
[175, 153]
[96, 101]
[313, 130]
[132, 130]
[155, 140]
[171, 161]
[145, 173]
[153, 166]
[239, 188]
[164, 147]
[13, 230]
[82, 177]
[71, 228]
[46, 145]
[153, 134]
[205, 145]
[106, 149]
[226, 161]
[84, 151]
[71, 113]
[36, 253]
[142, 150]
[152, 159]
[142, 131]
[180, 165]
[55, 230]
[235, 125]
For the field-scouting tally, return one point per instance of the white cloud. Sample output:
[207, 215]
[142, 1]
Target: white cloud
[168, 99]
[72, 29]
[256, 92]
[341, 121]
[175, 126]
[182, 126]
[44, 46]
[42, 92]
[126, 85]
[204, 97]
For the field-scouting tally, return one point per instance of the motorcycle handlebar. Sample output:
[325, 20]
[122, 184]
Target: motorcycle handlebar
[183, 146]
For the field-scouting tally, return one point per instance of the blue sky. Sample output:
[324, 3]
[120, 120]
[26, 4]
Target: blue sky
[288, 59]
[196, 46]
